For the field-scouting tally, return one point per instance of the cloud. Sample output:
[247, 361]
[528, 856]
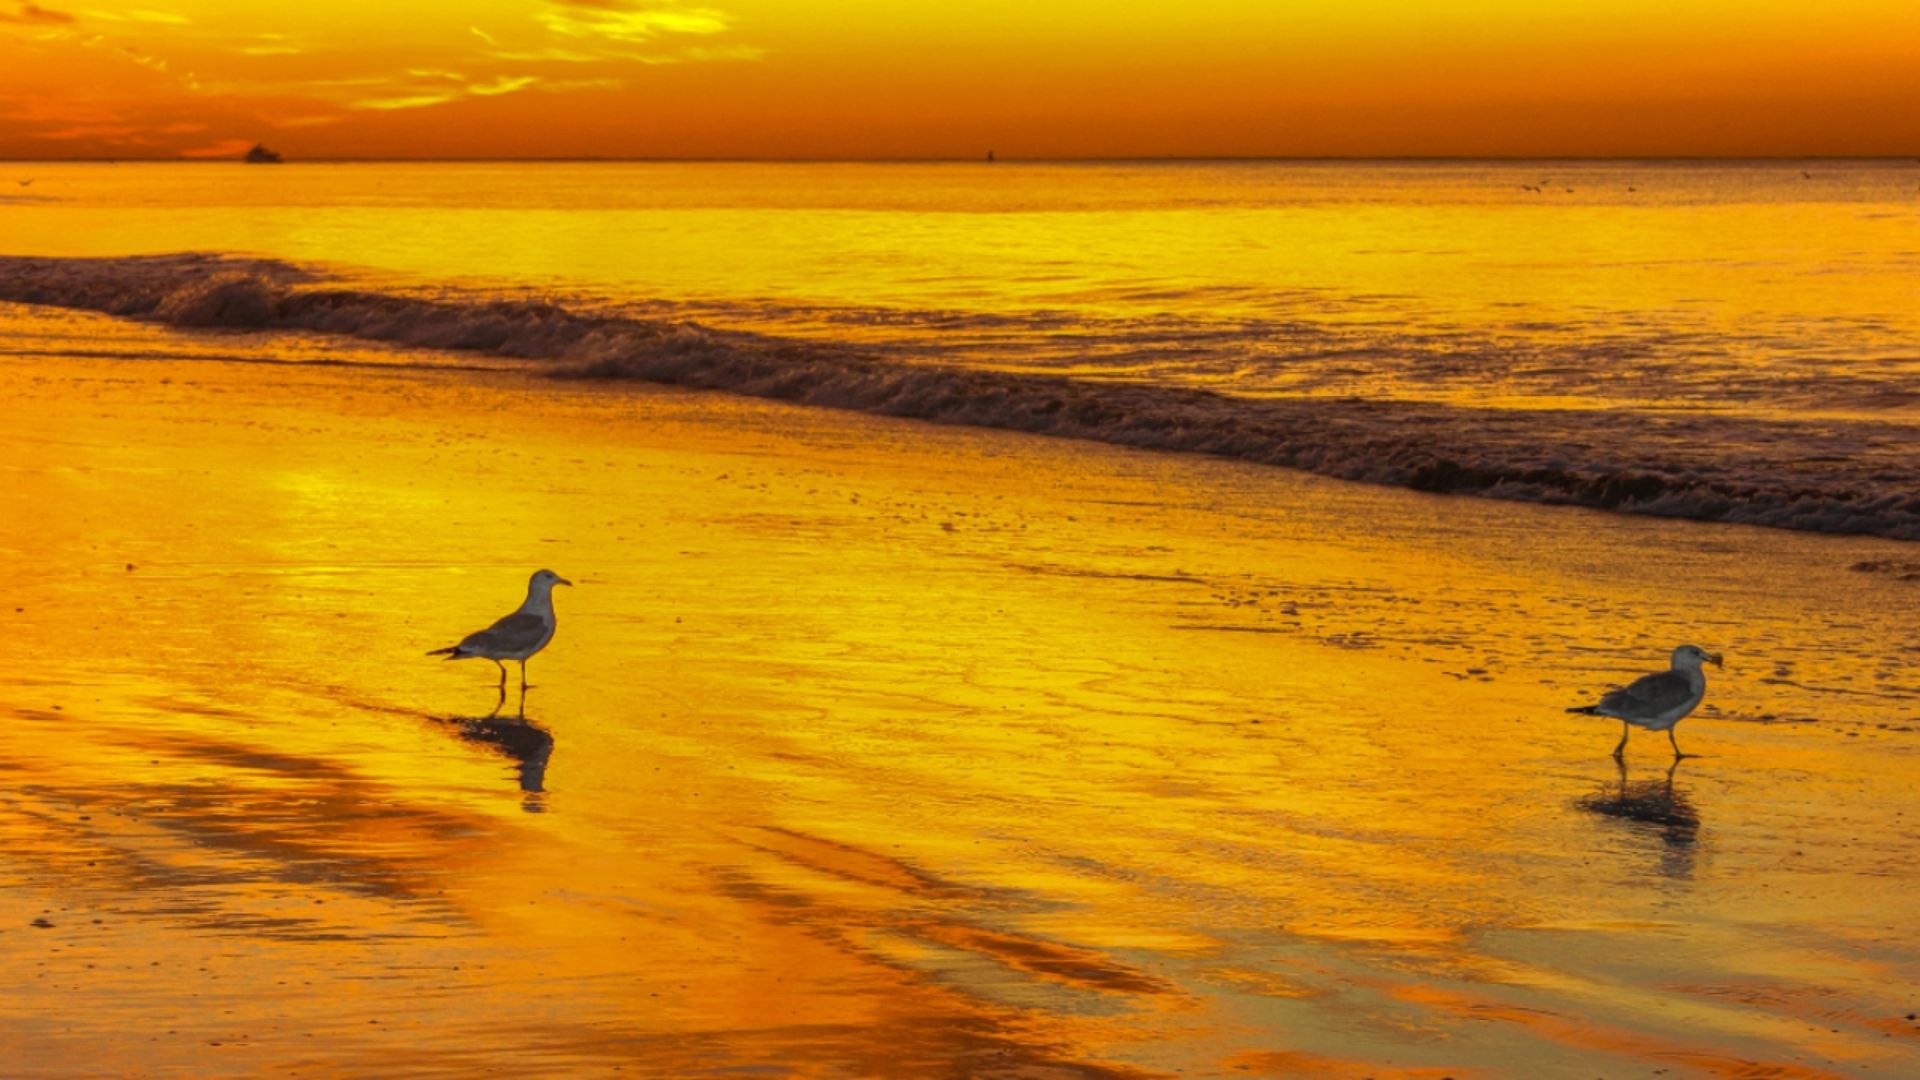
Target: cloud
[166, 17]
[426, 97]
[157, 63]
[27, 12]
[271, 45]
[616, 31]
[549, 56]
[617, 20]
[698, 55]
[412, 101]
[502, 85]
[64, 35]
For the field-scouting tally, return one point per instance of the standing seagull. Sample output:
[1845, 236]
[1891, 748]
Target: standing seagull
[516, 637]
[1659, 701]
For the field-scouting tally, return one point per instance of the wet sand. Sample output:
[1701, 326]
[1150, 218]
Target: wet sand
[877, 748]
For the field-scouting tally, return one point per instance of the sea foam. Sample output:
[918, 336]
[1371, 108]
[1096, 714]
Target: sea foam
[1827, 477]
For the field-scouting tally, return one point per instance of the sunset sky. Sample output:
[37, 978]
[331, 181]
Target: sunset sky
[884, 78]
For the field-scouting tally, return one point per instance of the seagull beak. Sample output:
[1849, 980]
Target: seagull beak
[561, 581]
[1719, 661]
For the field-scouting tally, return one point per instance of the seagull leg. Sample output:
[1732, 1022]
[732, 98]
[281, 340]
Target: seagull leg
[1620, 751]
[1677, 755]
[523, 677]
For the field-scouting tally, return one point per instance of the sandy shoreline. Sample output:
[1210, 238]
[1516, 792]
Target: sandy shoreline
[888, 749]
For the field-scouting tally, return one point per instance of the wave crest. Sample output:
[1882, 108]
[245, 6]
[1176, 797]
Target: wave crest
[229, 300]
[1811, 477]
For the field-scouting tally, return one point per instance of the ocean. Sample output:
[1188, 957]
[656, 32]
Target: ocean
[1731, 342]
[868, 746]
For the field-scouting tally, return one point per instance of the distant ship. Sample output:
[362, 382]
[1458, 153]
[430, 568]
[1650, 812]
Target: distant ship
[260, 155]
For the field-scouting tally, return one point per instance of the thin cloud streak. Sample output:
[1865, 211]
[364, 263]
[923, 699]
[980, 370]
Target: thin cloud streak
[417, 101]
[615, 22]
[166, 18]
[271, 45]
[502, 85]
[423, 99]
[28, 13]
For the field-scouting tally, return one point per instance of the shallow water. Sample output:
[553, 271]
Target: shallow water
[885, 749]
[1766, 289]
[1731, 341]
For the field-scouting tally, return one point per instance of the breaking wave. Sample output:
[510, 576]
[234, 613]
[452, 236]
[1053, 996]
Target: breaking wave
[1827, 476]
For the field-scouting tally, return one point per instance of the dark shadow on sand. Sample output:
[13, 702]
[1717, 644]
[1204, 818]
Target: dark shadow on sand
[213, 823]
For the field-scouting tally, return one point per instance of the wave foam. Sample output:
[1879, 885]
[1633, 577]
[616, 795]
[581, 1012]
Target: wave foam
[1826, 477]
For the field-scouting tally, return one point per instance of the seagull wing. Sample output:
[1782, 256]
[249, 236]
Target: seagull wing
[517, 631]
[1648, 697]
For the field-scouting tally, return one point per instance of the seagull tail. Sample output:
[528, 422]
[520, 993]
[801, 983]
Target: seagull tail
[1590, 710]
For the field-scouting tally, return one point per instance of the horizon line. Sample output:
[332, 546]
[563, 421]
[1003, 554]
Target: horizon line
[980, 160]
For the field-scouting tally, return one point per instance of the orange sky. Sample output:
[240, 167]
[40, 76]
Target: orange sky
[889, 78]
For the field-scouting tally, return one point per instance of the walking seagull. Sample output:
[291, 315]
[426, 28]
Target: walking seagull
[516, 637]
[1659, 701]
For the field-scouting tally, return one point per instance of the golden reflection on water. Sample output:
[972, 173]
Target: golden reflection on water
[1743, 287]
[883, 749]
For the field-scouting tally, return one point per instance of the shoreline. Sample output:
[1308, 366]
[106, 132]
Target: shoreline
[1811, 474]
[1374, 159]
[880, 746]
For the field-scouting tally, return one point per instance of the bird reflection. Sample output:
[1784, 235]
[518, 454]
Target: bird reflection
[528, 745]
[1660, 808]
[520, 711]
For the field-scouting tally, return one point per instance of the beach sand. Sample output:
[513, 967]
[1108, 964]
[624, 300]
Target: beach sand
[880, 748]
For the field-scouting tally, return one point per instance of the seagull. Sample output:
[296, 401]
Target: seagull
[1659, 701]
[28, 182]
[516, 637]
